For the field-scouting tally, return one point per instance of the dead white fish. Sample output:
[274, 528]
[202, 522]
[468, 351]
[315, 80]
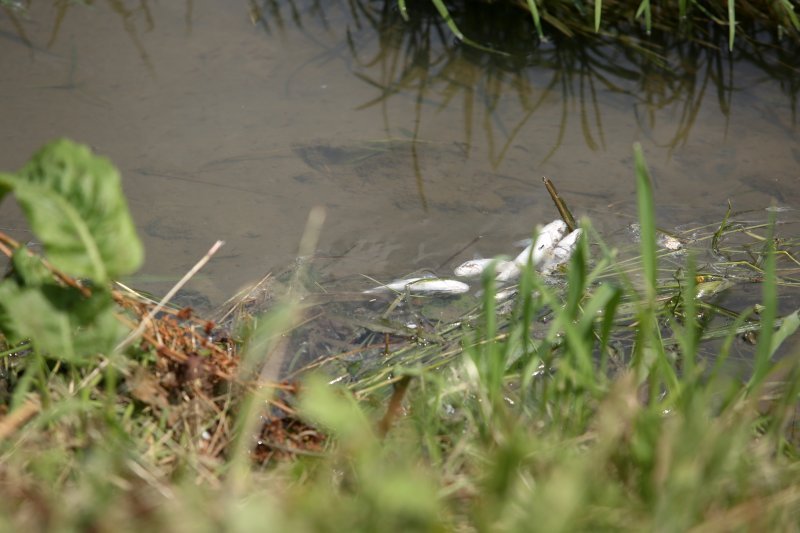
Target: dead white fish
[472, 268]
[422, 286]
[508, 271]
[438, 286]
[505, 294]
[561, 253]
[504, 270]
[545, 241]
[397, 285]
[475, 267]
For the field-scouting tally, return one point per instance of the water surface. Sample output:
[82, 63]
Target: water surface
[230, 120]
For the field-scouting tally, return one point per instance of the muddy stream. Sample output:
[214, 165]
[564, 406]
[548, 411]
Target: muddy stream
[231, 120]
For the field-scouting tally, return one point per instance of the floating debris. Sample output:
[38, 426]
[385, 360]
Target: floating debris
[669, 242]
[663, 239]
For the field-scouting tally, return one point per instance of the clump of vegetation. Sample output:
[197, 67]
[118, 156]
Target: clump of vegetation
[694, 18]
[579, 406]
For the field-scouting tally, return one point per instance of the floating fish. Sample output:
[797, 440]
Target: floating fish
[437, 285]
[505, 294]
[540, 250]
[396, 285]
[422, 286]
[475, 267]
[508, 271]
[545, 241]
[472, 268]
[552, 248]
[561, 253]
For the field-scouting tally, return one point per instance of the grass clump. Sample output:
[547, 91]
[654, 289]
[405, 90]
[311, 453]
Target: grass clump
[589, 404]
[693, 18]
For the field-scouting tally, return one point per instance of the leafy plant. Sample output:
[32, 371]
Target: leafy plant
[75, 206]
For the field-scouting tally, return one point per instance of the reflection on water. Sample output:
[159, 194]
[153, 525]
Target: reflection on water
[420, 59]
[231, 120]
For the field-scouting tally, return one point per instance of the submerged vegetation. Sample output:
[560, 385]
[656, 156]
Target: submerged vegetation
[609, 400]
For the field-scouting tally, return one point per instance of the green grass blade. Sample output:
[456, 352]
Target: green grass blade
[401, 5]
[689, 337]
[788, 326]
[644, 194]
[603, 303]
[448, 19]
[489, 353]
[788, 9]
[731, 23]
[769, 313]
[536, 19]
[644, 8]
[598, 9]
[649, 356]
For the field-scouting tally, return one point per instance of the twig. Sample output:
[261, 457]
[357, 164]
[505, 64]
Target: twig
[10, 423]
[563, 210]
[395, 404]
[146, 321]
[174, 355]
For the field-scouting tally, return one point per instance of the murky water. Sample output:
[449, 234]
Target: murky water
[230, 120]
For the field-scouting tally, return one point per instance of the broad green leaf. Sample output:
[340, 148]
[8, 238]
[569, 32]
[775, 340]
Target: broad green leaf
[788, 326]
[644, 193]
[6, 184]
[28, 268]
[39, 320]
[337, 412]
[65, 235]
[58, 320]
[769, 313]
[75, 206]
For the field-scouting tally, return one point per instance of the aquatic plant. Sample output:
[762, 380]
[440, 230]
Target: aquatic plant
[687, 17]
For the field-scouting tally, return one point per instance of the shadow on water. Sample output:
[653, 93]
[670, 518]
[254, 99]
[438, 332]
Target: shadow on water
[419, 59]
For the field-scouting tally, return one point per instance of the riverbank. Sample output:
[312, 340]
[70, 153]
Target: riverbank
[634, 394]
